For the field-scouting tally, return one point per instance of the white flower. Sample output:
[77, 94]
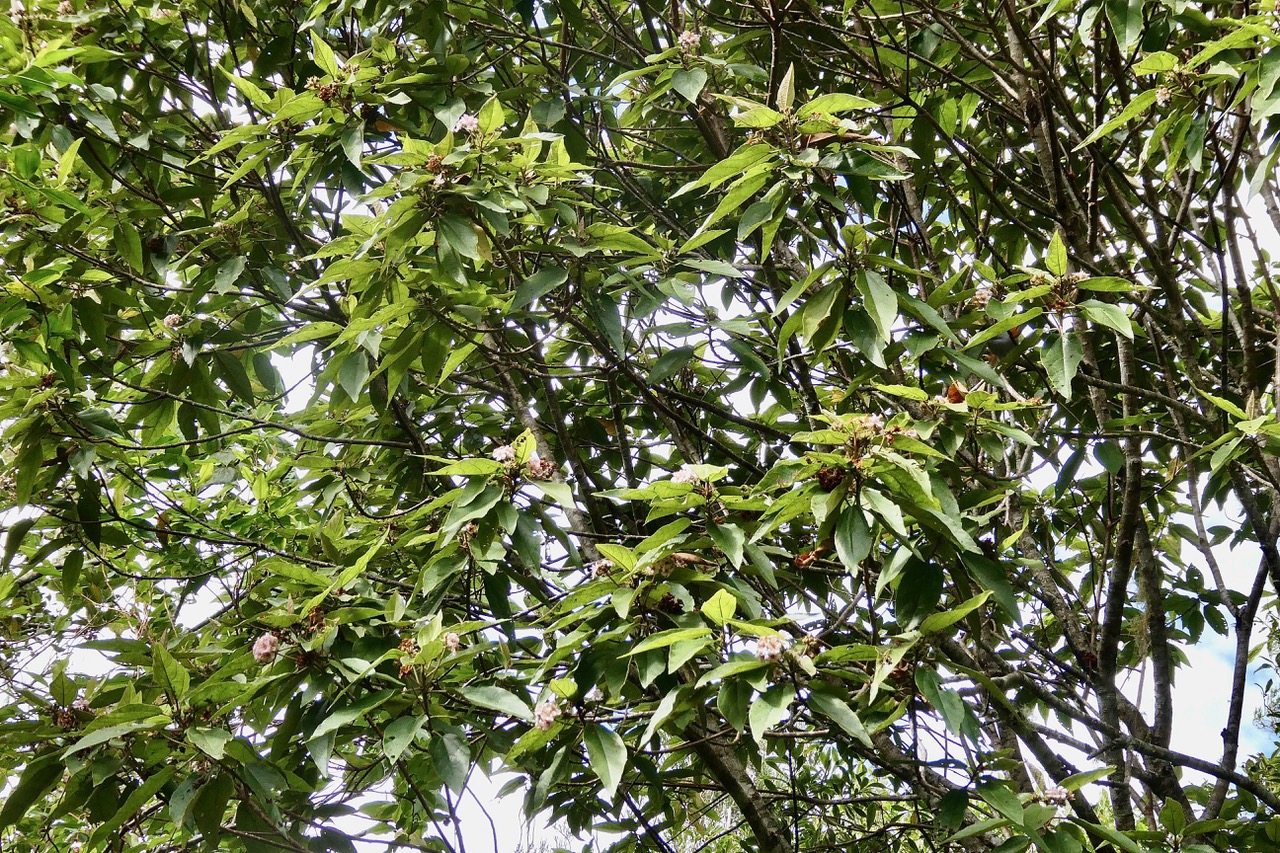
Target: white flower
[438, 181]
[600, 568]
[7, 352]
[981, 296]
[595, 694]
[452, 642]
[16, 8]
[544, 716]
[265, 648]
[770, 647]
[684, 475]
[503, 453]
[172, 321]
[1163, 96]
[466, 124]
[689, 41]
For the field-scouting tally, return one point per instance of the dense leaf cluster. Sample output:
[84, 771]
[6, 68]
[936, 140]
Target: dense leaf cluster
[775, 425]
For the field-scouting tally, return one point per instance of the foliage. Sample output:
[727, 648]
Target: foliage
[780, 425]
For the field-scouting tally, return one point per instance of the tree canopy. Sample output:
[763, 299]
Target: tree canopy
[781, 425]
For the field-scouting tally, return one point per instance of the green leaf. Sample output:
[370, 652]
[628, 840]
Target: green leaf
[669, 364]
[1056, 262]
[787, 89]
[352, 141]
[689, 83]
[1137, 107]
[538, 285]
[399, 734]
[1107, 833]
[37, 779]
[853, 538]
[662, 639]
[730, 539]
[1109, 455]
[1108, 315]
[1156, 63]
[324, 57]
[941, 621]
[721, 607]
[212, 742]
[353, 374]
[348, 714]
[835, 102]
[769, 708]
[138, 798]
[1004, 801]
[451, 757]
[608, 756]
[460, 236]
[228, 273]
[839, 712]
[882, 302]
[760, 117]
[947, 702]
[170, 674]
[497, 699]
[918, 592]
[1061, 359]
[109, 733]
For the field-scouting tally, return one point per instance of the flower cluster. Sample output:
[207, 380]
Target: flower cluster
[172, 321]
[689, 41]
[685, 475]
[265, 648]
[771, 647]
[542, 469]
[1057, 796]
[503, 453]
[544, 716]
[981, 297]
[452, 642]
[467, 123]
[600, 568]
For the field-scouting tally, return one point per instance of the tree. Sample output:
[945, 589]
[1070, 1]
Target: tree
[785, 426]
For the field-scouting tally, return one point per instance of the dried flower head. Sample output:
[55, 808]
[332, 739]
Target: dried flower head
[265, 648]
[544, 716]
[542, 469]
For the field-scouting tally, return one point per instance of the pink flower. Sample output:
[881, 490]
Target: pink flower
[265, 648]
[466, 124]
[544, 716]
[1057, 796]
[503, 453]
[770, 647]
[689, 41]
[452, 642]
[172, 321]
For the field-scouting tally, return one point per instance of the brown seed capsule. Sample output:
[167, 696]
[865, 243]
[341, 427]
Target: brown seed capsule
[829, 478]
